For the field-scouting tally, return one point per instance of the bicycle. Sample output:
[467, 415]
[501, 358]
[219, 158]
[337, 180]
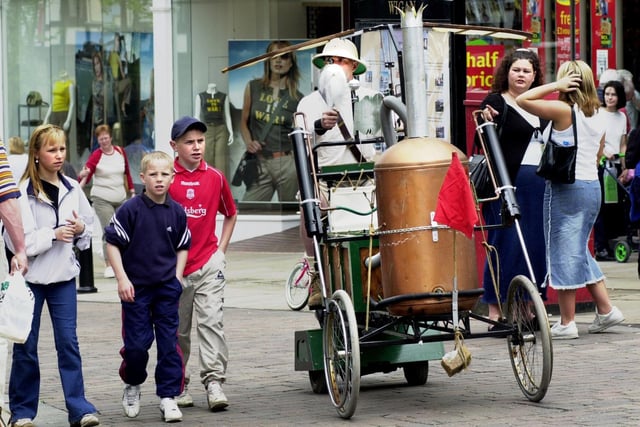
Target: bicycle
[297, 287]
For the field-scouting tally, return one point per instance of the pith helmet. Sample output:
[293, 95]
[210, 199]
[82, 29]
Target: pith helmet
[343, 48]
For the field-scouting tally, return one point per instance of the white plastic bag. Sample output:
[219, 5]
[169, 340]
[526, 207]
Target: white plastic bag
[16, 308]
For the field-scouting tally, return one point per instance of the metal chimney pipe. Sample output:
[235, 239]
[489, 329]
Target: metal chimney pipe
[414, 71]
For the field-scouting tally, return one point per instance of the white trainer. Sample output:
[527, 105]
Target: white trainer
[215, 397]
[170, 411]
[109, 273]
[131, 400]
[23, 422]
[605, 321]
[564, 332]
[184, 400]
[88, 420]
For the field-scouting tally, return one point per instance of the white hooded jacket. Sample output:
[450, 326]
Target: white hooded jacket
[50, 260]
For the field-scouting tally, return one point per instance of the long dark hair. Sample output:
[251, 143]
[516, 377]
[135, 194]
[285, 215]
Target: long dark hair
[501, 74]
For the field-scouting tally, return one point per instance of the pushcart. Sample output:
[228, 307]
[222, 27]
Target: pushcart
[368, 326]
[396, 285]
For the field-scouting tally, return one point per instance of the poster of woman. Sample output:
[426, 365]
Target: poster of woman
[264, 97]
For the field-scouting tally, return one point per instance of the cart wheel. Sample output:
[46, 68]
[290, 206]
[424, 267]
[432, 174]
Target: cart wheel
[416, 373]
[296, 289]
[342, 353]
[622, 251]
[318, 382]
[530, 344]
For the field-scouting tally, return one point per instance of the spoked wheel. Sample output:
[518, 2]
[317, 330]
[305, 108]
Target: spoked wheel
[342, 353]
[296, 289]
[530, 344]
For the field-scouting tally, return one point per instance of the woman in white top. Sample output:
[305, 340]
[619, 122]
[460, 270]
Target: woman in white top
[112, 182]
[611, 219]
[570, 210]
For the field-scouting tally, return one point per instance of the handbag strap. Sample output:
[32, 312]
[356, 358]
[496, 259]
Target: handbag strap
[574, 126]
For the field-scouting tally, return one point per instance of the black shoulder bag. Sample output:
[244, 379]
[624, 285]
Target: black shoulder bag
[558, 162]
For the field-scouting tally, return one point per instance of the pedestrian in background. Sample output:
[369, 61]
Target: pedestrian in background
[570, 210]
[18, 157]
[149, 276]
[611, 221]
[204, 192]
[56, 216]
[112, 183]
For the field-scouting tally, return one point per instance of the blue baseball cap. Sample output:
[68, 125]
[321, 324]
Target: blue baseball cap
[183, 124]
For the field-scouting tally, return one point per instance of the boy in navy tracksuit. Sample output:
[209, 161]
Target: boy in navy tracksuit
[147, 243]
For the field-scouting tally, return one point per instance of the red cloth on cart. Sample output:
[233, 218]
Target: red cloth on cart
[456, 206]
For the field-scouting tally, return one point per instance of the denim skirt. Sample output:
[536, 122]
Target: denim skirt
[569, 212]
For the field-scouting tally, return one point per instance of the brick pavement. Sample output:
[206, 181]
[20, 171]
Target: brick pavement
[596, 380]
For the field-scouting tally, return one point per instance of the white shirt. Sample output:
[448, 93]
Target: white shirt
[590, 131]
[616, 127]
[313, 105]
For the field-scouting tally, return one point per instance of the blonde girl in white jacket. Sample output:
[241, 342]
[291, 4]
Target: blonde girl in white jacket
[56, 216]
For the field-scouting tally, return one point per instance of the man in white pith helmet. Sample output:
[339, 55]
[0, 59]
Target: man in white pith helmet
[329, 117]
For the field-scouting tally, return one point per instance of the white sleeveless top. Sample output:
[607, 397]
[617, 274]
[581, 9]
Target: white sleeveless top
[590, 131]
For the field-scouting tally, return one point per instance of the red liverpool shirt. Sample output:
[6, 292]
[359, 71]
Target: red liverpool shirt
[202, 193]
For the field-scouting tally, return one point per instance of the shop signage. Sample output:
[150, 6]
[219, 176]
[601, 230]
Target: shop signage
[603, 16]
[481, 63]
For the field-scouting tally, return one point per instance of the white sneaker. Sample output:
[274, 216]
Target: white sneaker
[170, 411]
[23, 422]
[88, 420]
[184, 400]
[605, 321]
[564, 332]
[131, 400]
[108, 273]
[215, 397]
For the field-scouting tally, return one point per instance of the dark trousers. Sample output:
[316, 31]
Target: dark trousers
[153, 312]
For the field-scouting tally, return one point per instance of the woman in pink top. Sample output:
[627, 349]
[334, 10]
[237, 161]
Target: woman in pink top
[112, 182]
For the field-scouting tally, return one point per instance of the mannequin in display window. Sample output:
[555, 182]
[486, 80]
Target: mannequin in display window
[63, 102]
[212, 107]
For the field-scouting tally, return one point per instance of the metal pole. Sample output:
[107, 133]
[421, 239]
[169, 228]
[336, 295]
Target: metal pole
[573, 29]
[415, 79]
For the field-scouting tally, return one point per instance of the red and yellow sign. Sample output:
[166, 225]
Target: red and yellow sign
[481, 62]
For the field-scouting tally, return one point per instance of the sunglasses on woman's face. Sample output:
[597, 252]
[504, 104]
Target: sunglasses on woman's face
[284, 56]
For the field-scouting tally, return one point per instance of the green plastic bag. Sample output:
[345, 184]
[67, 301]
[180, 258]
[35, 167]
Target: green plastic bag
[610, 185]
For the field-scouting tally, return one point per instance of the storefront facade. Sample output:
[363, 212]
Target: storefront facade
[139, 64]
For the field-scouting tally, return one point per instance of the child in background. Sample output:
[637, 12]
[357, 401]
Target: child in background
[149, 277]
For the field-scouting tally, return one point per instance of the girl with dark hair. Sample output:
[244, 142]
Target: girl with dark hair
[610, 222]
[519, 133]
